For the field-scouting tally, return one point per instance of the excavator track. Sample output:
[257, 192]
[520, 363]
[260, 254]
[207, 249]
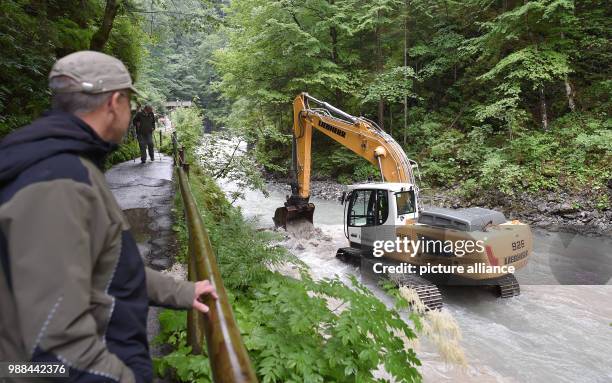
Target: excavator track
[428, 293]
[509, 286]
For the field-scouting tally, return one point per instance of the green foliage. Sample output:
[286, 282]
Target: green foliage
[189, 128]
[306, 331]
[343, 165]
[392, 85]
[532, 65]
[182, 38]
[224, 157]
[365, 171]
[479, 77]
[323, 331]
[34, 34]
[127, 151]
[180, 362]
[497, 173]
[126, 42]
[172, 325]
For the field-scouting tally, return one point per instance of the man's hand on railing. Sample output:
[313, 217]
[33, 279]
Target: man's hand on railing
[203, 288]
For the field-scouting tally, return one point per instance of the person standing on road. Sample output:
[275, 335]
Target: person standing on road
[132, 130]
[73, 287]
[145, 125]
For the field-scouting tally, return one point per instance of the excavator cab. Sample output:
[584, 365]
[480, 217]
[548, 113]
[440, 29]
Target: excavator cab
[373, 210]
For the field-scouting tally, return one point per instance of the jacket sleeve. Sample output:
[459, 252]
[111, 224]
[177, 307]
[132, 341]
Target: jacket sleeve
[165, 291]
[136, 119]
[50, 245]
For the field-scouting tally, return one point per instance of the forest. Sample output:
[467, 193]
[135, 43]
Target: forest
[497, 95]
[493, 98]
[501, 95]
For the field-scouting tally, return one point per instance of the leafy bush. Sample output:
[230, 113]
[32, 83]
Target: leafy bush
[302, 330]
[469, 189]
[189, 127]
[365, 171]
[126, 152]
[224, 157]
[34, 34]
[180, 362]
[306, 331]
[497, 173]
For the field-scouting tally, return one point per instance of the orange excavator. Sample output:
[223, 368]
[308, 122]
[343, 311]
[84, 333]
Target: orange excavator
[360, 135]
[391, 211]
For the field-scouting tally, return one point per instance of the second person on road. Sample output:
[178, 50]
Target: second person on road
[145, 125]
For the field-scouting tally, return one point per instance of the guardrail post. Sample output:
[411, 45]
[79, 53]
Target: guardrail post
[195, 336]
[181, 154]
[174, 145]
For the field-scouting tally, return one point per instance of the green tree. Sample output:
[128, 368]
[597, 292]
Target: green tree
[526, 50]
[34, 34]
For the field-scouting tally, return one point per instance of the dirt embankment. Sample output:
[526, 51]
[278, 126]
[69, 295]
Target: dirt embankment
[553, 211]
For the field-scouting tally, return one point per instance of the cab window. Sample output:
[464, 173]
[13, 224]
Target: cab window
[405, 202]
[368, 208]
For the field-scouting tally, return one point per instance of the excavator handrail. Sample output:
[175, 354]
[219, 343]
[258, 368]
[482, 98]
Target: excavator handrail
[331, 108]
[229, 360]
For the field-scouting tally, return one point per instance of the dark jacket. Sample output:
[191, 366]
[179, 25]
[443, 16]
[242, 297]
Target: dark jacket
[145, 123]
[73, 287]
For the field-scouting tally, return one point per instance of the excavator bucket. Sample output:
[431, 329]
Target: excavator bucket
[289, 213]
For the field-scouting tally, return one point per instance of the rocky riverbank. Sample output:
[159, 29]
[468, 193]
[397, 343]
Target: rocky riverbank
[553, 211]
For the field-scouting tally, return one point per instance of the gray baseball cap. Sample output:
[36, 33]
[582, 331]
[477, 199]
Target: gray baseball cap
[94, 72]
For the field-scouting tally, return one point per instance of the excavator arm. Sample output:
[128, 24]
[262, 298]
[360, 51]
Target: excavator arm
[360, 135]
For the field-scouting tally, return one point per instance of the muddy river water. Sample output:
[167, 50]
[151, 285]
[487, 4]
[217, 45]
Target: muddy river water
[558, 330]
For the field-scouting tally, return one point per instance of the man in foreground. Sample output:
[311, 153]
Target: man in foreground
[73, 287]
[145, 125]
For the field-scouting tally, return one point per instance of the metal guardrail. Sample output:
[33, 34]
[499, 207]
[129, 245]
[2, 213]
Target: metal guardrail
[228, 357]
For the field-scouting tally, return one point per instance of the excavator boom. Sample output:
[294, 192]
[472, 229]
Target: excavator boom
[358, 134]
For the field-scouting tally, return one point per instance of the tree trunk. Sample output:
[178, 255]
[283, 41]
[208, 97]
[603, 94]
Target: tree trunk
[569, 91]
[100, 38]
[405, 118]
[381, 113]
[379, 64]
[333, 33]
[391, 120]
[334, 37]
[405, 66]
[543, 108]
